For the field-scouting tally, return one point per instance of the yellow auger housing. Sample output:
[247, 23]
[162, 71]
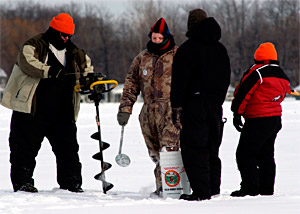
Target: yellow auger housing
[77, 88]
[88, 83]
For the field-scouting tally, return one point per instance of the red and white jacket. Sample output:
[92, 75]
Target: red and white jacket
[261, 90]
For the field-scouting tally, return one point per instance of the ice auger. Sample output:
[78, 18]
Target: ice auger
[94, 84]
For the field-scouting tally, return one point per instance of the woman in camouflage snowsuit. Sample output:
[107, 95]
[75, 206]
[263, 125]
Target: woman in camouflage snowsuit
[150, 74]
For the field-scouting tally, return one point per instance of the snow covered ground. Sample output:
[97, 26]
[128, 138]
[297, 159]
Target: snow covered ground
[132, 185]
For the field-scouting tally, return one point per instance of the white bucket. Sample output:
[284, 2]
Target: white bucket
[173, 175]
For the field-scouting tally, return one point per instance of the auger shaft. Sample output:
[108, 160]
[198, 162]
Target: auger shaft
[100, 145]
[94, 85]
[99, 156]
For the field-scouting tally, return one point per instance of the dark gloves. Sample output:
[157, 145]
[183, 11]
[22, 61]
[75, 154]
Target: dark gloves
[56, 68]
[123, 118]
[176, 112]
[237, 122]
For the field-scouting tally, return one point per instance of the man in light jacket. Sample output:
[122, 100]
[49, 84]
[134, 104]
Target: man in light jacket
[40, 93]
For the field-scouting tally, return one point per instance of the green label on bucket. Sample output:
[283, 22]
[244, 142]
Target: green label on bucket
[172, 178]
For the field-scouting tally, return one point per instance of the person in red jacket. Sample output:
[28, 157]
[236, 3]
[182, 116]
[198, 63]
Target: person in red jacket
[258, 99]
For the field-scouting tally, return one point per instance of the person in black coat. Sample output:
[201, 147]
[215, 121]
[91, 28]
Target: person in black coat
[200, 79]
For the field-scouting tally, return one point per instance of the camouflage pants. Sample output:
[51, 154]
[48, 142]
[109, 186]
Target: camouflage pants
[158, 131]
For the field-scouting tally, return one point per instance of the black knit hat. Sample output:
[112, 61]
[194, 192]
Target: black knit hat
[160, 27]
[195, 18]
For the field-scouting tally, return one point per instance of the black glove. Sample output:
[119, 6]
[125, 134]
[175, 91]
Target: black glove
[237, 122]
[56, 68]
[176, 113]
[123, 118]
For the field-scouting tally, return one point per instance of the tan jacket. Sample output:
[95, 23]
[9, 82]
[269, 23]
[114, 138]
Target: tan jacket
[30, 68]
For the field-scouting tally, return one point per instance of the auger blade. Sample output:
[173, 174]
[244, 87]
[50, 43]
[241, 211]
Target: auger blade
[106, 166]
[107, 186]
[104, 145]
[100, 175]
[97, 156]
[95, 136]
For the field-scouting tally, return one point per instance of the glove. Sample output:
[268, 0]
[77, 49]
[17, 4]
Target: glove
[176, 112]
[237, 122]
[56, 68]
[123, 118]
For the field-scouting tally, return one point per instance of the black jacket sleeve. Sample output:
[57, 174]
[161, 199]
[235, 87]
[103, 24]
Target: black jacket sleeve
[179, 82]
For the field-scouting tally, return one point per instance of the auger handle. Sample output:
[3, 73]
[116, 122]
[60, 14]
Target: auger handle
[104, 82]
[77, 87]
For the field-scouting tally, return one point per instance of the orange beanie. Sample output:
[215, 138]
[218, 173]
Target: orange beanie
[266, 51]
[63, 23]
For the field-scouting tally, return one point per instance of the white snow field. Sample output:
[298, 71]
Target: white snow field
[133, 184]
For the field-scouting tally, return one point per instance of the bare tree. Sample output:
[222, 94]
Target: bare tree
[284, 17]
[112, 42]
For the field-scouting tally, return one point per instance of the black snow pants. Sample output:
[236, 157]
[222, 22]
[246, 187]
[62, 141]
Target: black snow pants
[255, 154]
[200, 139]
[26, 136]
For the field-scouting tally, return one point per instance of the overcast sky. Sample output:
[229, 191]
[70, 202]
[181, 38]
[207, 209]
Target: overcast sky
[115, 6]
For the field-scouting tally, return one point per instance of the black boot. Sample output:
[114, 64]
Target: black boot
[243, 193]
[157, 193]
[266, 192]
[28, 187]
[75, 188]
[193, 197]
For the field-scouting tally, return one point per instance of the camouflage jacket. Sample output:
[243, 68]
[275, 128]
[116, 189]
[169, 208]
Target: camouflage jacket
[149, 74]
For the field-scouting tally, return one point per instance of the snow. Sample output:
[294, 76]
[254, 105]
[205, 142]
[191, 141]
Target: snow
[133, 184]
[297, 88]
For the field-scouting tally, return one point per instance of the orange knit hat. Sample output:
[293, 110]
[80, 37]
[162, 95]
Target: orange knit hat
[266, 51]
[63, 23]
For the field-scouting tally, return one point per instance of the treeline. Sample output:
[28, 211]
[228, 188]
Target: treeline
[113, 41]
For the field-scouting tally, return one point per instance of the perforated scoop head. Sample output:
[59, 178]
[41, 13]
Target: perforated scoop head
[122, 160]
